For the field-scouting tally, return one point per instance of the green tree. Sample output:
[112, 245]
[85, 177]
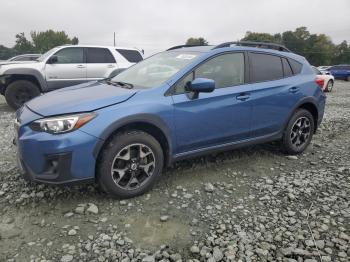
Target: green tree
[6, 53]
[75, 40]
[46, 40]
[261, 37]
[23, 45]
[196, 41]
[342, 53]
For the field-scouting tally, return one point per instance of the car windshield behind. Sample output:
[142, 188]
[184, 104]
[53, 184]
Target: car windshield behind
[155, 70]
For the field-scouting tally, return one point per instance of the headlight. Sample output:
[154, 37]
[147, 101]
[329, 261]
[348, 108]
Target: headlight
[61, 124]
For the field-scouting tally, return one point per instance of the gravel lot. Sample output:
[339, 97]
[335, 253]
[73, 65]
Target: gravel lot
[253, 204]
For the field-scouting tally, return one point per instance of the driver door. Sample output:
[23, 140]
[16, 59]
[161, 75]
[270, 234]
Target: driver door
[213, 119]
[69, 68]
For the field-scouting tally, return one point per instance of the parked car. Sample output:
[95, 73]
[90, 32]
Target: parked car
[326, 77]
[340, 72]
[323, 68]
[122, 132]
[61, 67]
[25, 57]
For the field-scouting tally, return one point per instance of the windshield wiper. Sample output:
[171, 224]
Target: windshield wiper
[120, 83]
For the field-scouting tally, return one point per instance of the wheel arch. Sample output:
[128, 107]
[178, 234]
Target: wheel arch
[310, 105]
[29, 74]
[150, 125]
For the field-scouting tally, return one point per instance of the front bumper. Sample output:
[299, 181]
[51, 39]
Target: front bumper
[55, 159]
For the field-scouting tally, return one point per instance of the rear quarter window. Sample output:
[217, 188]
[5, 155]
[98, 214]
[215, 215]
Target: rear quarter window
[296, 66]
[133, 56]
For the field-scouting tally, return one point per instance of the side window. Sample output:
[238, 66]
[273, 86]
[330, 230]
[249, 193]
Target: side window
[99, 55]
[226, 70]
[287, 70]
[180, 87]
[133, 56]
[296, 66]
[70, 55]
[264, 67]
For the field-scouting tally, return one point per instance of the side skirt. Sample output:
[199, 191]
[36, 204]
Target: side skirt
[227, 146]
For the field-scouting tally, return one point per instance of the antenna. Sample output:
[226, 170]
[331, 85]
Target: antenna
[114, 38]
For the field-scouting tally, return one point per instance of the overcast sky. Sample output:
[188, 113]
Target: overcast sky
[155, 25]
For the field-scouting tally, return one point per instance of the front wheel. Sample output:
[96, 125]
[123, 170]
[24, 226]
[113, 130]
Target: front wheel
[298, 133]
[130, 164]
[19, 92]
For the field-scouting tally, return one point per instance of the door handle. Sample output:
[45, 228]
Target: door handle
[294, 89]
[80, 66]
[110, 66]
[243, 96]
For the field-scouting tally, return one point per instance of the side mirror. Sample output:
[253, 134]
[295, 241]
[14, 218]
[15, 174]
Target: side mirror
[52, 60]
[202, 85]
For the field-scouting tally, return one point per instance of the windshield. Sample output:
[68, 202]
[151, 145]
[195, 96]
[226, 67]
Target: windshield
[47, 54]
[155, 70]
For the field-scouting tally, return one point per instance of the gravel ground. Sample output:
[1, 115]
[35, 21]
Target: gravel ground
[253, 204]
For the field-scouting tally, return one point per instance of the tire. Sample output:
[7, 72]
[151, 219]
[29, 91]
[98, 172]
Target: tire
[329, 86]
[129, 177]
[19, 92]
[300, 128]
[348, 78]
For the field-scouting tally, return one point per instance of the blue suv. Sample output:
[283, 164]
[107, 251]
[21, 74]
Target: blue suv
[340, 72]
[184, 102]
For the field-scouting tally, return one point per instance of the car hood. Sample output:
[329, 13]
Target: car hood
[80, 98]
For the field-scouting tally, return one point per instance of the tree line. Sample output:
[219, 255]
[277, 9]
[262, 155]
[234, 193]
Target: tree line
[318, 49]
[40, 43]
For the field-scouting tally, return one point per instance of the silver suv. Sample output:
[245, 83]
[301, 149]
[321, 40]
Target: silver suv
[61, 67]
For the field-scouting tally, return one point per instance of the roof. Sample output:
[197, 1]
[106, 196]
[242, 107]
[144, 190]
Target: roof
[103, 46]
[208, 49]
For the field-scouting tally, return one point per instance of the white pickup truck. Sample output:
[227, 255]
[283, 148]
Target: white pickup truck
[60, 67]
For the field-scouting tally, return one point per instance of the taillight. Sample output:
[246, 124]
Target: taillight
[320, 82]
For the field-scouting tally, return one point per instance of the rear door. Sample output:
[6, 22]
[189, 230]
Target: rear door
[274, 92]
[100, 62]
[68, 69]
[222, 116]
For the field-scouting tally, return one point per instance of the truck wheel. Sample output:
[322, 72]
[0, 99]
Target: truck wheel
[298, 133]
[348, 78]
[130, 164]
[19, 92]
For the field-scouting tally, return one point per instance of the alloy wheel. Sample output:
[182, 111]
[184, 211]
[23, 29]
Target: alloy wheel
[133, 166]
[300, 132]
[329, 86]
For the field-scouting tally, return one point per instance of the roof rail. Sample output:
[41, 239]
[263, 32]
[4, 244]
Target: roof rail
[255, 44]
[182, 46]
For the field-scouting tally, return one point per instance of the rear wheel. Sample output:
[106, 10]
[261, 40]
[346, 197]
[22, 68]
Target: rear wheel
[130, 164]
[19, 92]
[348, 78]
[329, 86]
[298, 133]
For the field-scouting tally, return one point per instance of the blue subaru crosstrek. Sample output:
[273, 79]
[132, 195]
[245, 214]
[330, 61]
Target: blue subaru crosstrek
[184, 102]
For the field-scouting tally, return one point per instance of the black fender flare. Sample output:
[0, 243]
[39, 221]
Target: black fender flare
[305, 100]
[30, 72]
[138, 118]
